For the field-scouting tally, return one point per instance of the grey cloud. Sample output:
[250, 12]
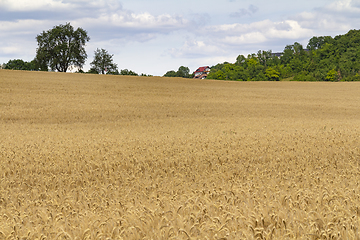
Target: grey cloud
[103, 19]
[199, 20]
[337, 16]
[253, 8]
[40, 15]
[355, 3]
[69, 10]
[245, 12]
[282, 26]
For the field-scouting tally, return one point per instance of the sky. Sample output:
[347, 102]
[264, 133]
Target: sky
[157, 36]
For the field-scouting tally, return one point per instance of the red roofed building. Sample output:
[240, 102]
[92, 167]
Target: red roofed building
[202, 72]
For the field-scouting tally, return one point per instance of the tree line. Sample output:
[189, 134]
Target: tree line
[324, 59]
[62, 48]
[183, 72]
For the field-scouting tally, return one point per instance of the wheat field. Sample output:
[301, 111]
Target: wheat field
[115, 157]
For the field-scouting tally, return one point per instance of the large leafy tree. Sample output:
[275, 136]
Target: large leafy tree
[183, 72]
[62, 47]
[103, 62]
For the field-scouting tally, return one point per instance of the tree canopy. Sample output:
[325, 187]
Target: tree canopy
[325, 59]
[128, 72]
[61, 47]
[183, 72]
[103, 62]
[19, 64]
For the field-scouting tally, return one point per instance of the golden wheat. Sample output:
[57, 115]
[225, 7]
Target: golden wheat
[115, 157]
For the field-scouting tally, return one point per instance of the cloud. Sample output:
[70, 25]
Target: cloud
[245, 12]
[26, 6]
[257, 32]
[195, 48]
[139, 27]
[106, 17]
[233, 39]
[60, 5]
[107, 13]
[17, 38]
[338, 16]
[349, 6]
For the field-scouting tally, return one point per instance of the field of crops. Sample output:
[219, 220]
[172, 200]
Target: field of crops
[114, 157]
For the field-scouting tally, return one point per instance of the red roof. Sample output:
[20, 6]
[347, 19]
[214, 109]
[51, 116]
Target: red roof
[202, 69]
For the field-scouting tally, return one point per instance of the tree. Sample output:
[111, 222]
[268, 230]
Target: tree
[183, 72]
[271, 74]
[19, 64]
[103, 62]
[263, 57]
[62, 47]
[170, 73]
[240, 59]
[128, 72]
[332, 75]
[92, 71]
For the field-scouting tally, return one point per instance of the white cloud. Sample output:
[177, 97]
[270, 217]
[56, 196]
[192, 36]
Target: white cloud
[10, 50]
[132, 26]
[20, 27]
[144, 21]
[248, 38]
[26, 5]
[68, 5]
[349, 6]
[196, 48]
[257, 32]
[338, 16]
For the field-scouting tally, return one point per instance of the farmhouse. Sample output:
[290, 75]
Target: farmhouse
[202, 72]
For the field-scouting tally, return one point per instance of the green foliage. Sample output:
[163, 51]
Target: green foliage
[18, 64]
[128, 72]
[103, 62]
[355, 77]
[228, 71]
[146, 75]
[240, 60]
[332, 75]
[304, 76]
[61, 48]
[271, 74]
[171, 73]
[92, 71]
[326, 59]
[183, 72]
[317, 42]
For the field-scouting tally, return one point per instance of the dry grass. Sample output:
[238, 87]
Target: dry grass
[113, 157]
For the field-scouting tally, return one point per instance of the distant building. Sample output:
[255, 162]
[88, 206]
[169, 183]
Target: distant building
[278, 54]
[202, 72]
